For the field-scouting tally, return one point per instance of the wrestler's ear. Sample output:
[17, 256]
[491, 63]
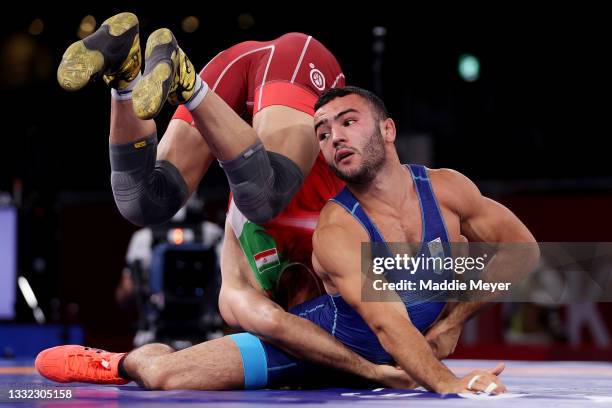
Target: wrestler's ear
[388, 130]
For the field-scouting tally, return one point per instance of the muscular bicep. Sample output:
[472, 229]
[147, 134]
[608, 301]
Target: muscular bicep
[236, 290]
[482, 219]
[490, 221]
[241, 305]
[338, 254]
[185, 148]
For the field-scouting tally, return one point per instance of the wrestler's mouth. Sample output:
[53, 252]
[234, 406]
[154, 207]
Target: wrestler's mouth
[342, 154]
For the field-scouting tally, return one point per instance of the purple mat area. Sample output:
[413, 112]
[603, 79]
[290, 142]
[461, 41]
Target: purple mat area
[559, 384]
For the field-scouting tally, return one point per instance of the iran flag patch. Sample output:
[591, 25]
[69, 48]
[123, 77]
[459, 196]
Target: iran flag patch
[266, 259]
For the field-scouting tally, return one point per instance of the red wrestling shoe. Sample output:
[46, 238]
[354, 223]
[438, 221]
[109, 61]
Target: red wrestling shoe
[80, 364]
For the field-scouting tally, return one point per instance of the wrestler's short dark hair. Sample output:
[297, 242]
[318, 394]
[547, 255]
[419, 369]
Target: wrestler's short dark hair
[373, 100]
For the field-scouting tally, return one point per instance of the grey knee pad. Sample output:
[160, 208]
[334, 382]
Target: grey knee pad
[147, 192]
[262, 182]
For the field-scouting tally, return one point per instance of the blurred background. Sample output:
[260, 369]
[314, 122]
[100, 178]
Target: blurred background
[515, 97]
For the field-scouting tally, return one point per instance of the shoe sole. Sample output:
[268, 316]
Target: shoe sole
[79, 63]
[152, 90]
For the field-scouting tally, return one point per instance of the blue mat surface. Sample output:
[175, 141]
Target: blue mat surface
[532, 384]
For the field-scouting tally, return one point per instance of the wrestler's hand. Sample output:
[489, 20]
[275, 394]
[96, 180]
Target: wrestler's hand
[478, 381]
[443, 337]
[393, 377]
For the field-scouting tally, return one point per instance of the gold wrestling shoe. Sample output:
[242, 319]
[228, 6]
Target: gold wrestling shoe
[112, 52]
[168, 75]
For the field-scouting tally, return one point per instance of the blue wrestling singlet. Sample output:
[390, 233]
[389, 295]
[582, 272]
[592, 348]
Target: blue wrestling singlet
[266, 365]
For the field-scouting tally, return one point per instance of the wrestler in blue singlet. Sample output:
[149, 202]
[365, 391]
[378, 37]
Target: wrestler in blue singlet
[266, 365]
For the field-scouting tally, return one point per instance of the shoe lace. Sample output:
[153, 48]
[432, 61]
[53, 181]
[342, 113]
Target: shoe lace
[99, 362]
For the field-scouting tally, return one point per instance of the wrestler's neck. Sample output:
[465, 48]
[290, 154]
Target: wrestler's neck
[389, 188]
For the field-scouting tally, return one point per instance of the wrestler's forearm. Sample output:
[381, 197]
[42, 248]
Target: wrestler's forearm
[307, 341]
[511, 263]
[505, 266]
[418, 359]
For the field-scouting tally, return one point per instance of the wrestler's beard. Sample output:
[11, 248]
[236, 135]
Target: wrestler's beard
[373, 157]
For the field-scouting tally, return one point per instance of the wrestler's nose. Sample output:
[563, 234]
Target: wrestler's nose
[338, 137]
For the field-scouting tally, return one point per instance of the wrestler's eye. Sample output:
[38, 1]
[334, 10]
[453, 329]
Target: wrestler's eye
[323, 136]
[349, 122]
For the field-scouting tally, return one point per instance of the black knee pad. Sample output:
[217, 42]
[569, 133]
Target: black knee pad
[147, 191]
[262, 182]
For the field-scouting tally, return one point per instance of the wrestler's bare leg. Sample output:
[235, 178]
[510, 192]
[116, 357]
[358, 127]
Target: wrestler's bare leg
[212, 365]
[282, 130]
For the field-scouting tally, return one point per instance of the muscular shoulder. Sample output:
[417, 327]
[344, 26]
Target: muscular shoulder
[454, 190]
[337, 230]
[333, 219]
[333, 214]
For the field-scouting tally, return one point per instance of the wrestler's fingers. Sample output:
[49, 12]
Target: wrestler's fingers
[489, 384]
[497, 370]
[472, 382]
[502, 388]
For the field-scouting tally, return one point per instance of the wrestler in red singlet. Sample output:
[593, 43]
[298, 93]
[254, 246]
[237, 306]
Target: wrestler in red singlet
[292, 70]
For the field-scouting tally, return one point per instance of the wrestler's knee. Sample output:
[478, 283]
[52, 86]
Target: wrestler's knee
[147, 191]
[167, 375]
[155, 373]
[157, 376]
[262, 183]
[170, 382]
